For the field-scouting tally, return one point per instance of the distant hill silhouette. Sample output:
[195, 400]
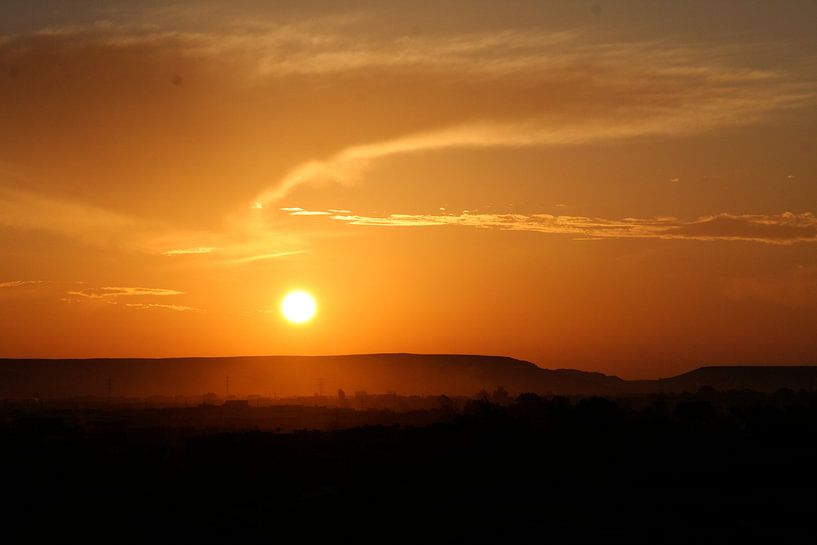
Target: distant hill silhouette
[765, 378]
[405, 374]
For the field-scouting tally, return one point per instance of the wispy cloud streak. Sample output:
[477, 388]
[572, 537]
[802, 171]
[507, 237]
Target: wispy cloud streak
[615, 90]
[262, 257]
[159, 306]
[120, 296]
[189, 251]
[240, 240]
[115, 292]
[352, 163]
[19, 283]
[783, 229]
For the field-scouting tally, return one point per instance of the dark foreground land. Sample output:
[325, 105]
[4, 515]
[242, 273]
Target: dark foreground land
[695, 468]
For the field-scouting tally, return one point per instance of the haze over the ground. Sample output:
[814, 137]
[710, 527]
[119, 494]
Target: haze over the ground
[628, 187]
[360, 375]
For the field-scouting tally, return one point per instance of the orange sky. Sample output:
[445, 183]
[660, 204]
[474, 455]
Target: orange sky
[627, 187]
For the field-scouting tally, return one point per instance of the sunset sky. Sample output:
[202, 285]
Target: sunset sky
[625, 187]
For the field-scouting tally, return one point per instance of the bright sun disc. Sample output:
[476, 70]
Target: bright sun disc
[298, 307]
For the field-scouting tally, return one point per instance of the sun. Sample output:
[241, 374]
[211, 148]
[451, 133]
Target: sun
[298, 306]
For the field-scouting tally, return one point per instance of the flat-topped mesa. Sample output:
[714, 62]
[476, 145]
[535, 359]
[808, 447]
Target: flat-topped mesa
[406, 374]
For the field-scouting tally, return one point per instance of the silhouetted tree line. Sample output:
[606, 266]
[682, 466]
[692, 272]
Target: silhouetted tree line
[702, 467]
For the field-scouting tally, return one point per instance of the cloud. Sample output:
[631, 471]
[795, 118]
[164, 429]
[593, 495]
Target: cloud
[194, 250]
[781, 229]
[329, 46]
[112, 296]
[19, 283]
[703, 114]
[310, 213]
[436, 92]
[237, 240]
[786, 228]
[606, 91]
[325, 46]
[115, 292]
[158, 306]
[262, 257]
[490, 89]
[240, 238]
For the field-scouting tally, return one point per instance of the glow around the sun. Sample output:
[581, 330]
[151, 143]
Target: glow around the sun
[298, 306]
